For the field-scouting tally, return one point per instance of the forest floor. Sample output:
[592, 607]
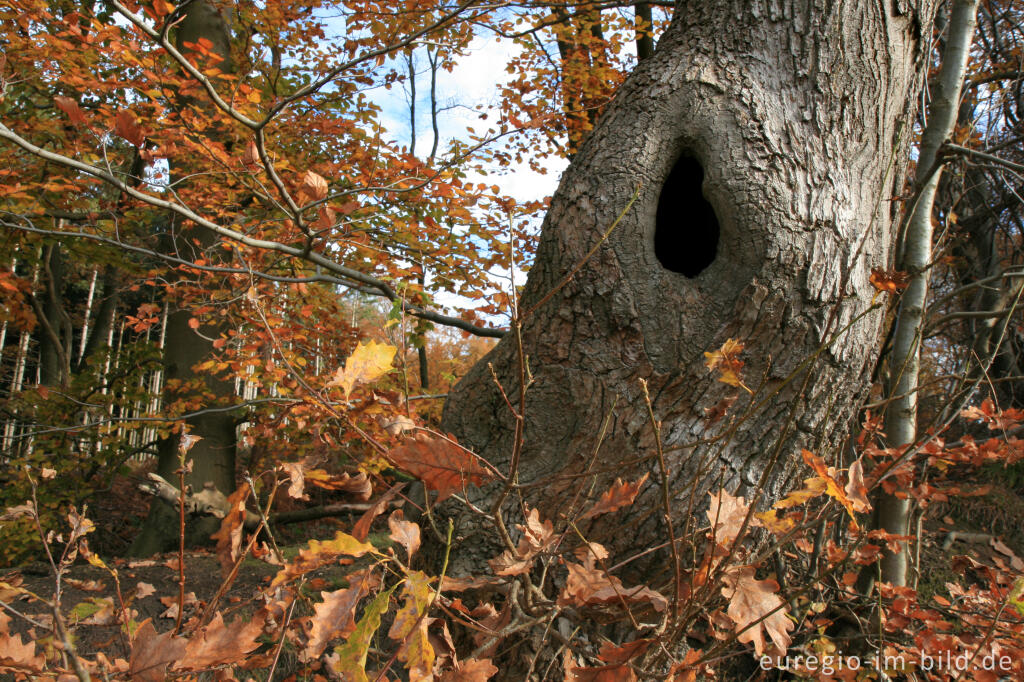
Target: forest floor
[989, 528]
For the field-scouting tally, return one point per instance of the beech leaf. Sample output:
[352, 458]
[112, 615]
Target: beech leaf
[440, 463]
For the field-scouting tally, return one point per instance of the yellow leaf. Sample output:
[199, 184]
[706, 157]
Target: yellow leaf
[410, 627]
[367, 362]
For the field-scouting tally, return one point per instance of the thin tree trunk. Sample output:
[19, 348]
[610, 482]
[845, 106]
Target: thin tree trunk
[892, 511]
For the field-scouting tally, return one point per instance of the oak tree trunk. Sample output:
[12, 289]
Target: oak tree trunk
[765, 142]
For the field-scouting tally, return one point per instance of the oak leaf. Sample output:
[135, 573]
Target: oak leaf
[752, 600]
[152, 653]
[471, 670]
[15, 654]
[349, 659]
[405, 533]
[220, 644]
[322, 553]
[368, 362]
[335, 616]
[588, 586]
[726, 361]
[410, 627]
[855, 488]
[361, 529]
[726, 515]
[440, 463]
[618, 496]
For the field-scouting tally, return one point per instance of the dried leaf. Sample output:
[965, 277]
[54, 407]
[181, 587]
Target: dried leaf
[350, 658]
[410, 627]
[618, 496]
[127, 127]
[888, 280]
[70, 108]
[587, 586]
[605, 673]
[335, 616]
[152, 653]
[368, 362]
[358, 485]
[313, 187]
[855, 488]
[471, 670]
[405, 533]
[251, 156]
[440, 463]
[726, 361]
[726, 515]
[322, 553]
[751, 600]
[229, 537]
[220, 644]
[297, 481]
[361, 530]
[143, 590]
[18, 511]
[16, 654]
[398, 425]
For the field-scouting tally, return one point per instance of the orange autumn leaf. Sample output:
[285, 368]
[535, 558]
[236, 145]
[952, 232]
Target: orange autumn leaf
[312, 188]
[726, 361]
[335, 616]
[219, 644]
[440, 463]
[152, 653]
[368, 362]
[127, 127]
[71, 108]
[229, 536]
[832, 486]
[752, 600]
[618, 496]
[471, 670]
[888, 280]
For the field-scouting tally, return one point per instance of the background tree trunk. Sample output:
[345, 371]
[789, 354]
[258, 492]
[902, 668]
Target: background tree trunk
[213, 457]
[799, 117]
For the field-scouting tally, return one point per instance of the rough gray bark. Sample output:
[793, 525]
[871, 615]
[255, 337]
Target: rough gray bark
[800, 115]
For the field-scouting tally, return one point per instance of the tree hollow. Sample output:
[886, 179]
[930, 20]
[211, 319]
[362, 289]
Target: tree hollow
[686, 229]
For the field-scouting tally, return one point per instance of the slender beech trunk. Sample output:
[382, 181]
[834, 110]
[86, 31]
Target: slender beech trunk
[213, 457]
[759, 142]
[893, 511]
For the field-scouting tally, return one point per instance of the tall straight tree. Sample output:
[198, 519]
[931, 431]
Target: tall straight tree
[186, 345]
[763, 143]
